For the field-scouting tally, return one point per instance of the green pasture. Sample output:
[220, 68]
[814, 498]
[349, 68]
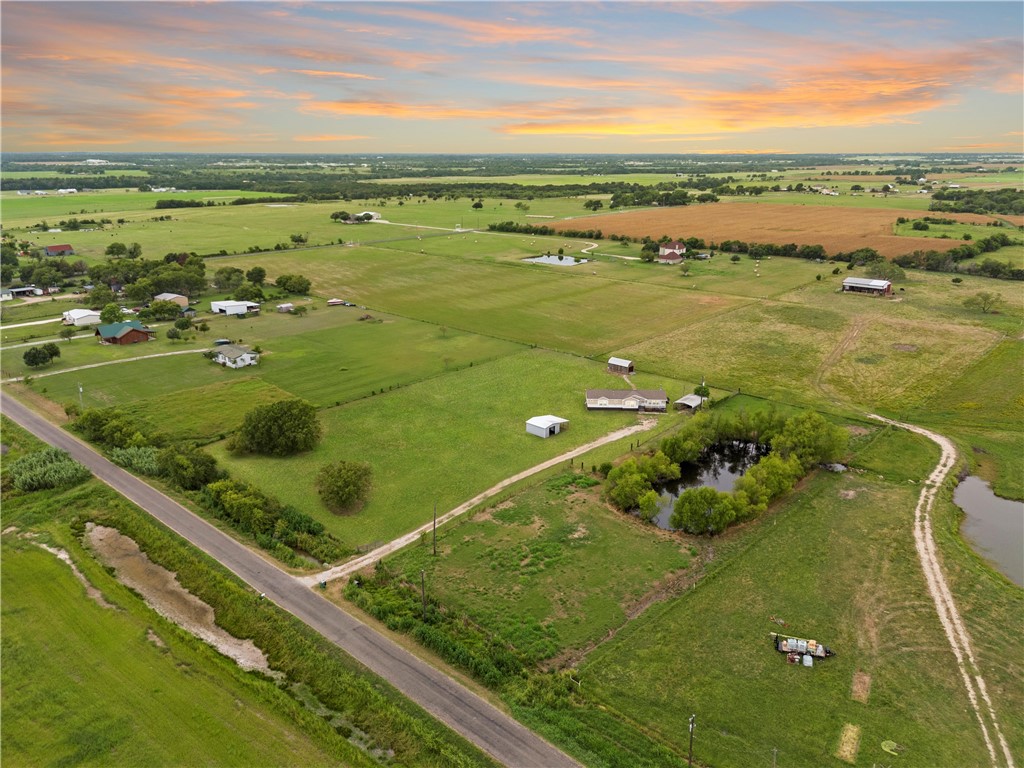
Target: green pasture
[84, 686]
[21, 211]
[533, 570]
[443, 440]
[983, 409]
[577, 313]
[950, 231]
[842, 571]
[904, 201]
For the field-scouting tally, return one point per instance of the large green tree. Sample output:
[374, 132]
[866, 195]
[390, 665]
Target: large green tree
[111, 313]
[279, 429]
[811, 439]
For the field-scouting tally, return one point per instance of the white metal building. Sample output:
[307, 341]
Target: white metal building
[233, 307]
[545, 426]
[81, 317]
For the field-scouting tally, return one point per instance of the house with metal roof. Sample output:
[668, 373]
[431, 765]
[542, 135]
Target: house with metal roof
[129, 332]
[177, 298]
[627, 399]
[865, 285]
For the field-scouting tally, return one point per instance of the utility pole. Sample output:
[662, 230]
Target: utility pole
[435, 529]
[423, 593]
[693, 724]
[80, 403]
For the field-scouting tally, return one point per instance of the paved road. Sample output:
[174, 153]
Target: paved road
[490, 729]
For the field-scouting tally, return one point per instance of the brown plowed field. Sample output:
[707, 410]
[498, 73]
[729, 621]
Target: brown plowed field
[836, 229]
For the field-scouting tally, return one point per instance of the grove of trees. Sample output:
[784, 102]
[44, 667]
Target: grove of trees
[278, 429]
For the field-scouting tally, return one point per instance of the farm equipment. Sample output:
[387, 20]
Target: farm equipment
[798, 650]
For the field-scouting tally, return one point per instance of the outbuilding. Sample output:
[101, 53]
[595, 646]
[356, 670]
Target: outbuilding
[81, 317]
[618, 365]
[689, 402]
[59, 250]
[286, 307]
[865, 285]
[233, 307]
[177, 298]
[545, 426]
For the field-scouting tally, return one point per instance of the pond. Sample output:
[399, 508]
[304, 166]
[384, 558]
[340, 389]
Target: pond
[720, 468]
[560, 261]
[993, 526]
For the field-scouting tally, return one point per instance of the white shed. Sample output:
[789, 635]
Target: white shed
[234, 307]
[545, 426]
[81, 317]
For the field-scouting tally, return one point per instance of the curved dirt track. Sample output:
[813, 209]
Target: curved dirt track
[945, 605]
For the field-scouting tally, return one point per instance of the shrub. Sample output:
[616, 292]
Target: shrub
[344, 484]
[47, 468]
[279, 429]
[141, 459]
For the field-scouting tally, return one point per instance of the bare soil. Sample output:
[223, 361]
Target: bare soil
[861, 688]
[162, 592]
[838, 229]
[849, 743]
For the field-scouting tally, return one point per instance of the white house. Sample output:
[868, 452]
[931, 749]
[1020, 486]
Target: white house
[233, 307]
[627, 399]
[675, 248]
[545, 426]
[235, 356]
[80, 317]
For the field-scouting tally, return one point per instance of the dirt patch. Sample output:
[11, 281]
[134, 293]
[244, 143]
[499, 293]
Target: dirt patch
[93, 593]
[856, 431]
[11, 529]
[905, 347]
[162, 592]
[580, 532]
[836, 228]
[847, 494]
[849, 743]
[154, 638]
[861, 688]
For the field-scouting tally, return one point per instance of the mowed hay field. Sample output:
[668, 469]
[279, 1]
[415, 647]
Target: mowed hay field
[577, 313]
[837, 229]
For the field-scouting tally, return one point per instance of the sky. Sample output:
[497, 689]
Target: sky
[521, 77]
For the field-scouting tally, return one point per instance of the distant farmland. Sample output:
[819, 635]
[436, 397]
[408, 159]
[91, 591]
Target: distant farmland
[837, 229]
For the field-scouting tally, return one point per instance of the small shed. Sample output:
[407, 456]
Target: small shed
[618, 365]
[545, 426]
[865, 285]
[689, 402]
[287, 307]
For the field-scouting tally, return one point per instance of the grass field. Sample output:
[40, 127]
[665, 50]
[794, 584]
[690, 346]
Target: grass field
[25, 211]
[65, 654]
[574, 313]
[443, 440]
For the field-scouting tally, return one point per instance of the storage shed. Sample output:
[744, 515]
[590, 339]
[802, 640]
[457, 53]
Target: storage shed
[81, 317]
[689, 402]
[545, 426]
[233, 307]
[618, 365]
[865, 285]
